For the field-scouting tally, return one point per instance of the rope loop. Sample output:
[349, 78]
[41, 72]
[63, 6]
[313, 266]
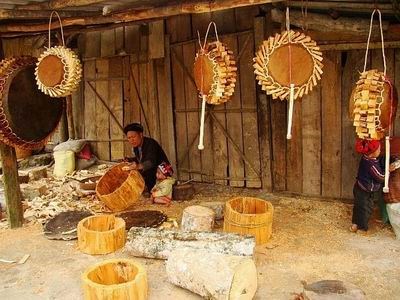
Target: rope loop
[369, 38]
[61, 27]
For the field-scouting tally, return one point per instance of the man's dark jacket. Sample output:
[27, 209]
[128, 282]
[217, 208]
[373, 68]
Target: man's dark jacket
[150, 155]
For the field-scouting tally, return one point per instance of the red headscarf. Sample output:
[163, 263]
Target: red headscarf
[166, 169]
[367, 146]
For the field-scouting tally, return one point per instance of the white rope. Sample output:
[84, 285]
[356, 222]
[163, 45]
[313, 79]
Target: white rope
[369, 38]
[208, 30]
[61, 27]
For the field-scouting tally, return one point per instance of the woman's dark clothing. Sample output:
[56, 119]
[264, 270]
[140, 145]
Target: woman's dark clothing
[150, 155]
[364, 205]
[367, 190]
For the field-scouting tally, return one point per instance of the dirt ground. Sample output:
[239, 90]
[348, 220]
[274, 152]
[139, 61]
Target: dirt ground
[310, 242]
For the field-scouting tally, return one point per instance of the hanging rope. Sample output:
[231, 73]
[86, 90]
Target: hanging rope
[382, 42]
[61, 27]
[386, 80]
[202, 94]
[291, 85]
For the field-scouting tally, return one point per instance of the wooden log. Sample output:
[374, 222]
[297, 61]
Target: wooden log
[217, 206]
[197, 218]
[58, 4]
[322, 22]
[115, 279]
[39, 14]
[159, 243]
[192, 7]
[101, 234]
[213, 275]
[11, 186]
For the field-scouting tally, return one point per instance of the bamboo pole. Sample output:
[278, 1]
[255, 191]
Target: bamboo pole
[183, 8]
[11, 186]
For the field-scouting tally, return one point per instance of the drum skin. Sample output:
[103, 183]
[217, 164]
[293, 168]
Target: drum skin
[27, 116]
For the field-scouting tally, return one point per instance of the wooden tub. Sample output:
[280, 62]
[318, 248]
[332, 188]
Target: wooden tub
[101, 234]
[115, 279]
[246, 215]
[120, 189]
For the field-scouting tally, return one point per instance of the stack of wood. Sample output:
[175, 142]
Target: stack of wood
[215, 72]
[371, 105]
[288, 58]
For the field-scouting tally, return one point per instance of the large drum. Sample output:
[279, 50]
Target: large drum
[373, 105]
[27, 116]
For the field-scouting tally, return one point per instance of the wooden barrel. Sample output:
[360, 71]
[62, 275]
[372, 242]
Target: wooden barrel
[120, 189]
[246, 215]
[101, 234]
[27, 116]
[115, 279]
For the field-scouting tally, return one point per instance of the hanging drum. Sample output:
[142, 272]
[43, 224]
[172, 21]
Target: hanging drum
[58, 71]
[27, 116]
[373, 105]
[288, 66]
[214, 74]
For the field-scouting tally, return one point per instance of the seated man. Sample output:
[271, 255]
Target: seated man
[148, 154]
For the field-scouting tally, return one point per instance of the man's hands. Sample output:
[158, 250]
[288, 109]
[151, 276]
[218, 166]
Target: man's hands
[132, 166]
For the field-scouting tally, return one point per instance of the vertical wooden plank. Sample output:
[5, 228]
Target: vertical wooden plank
[90, 103]
[311, 134]
[152, 101]
[396, 81]
[127, 101]
[249, 119]
[200, 23]
[132, 44]
[278, 121]
[143, 92]
[234, 124]
[353, 65]
[294, 167]
[244, 17]
[331, 89]
[116, 106]
[179, 28]
[225, 20]
[107, 42]
[119, 40]
[102, 116]
[180, 117]
[78, 112]
[164, 87]
[92, 44]
[263, 115]
[192, 102]
[156, 39]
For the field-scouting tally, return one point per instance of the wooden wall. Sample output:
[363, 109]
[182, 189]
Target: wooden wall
[143, 73]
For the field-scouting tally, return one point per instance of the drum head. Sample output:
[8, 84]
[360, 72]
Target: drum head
[302, 65]
[203, 70]
[51, 71]
[31, 114]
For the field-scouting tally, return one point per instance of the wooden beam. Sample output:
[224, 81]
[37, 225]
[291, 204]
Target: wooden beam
[321, 22]
[343, 6]
[11, 186]
[40, 14]
[183, 8]
[58, 4]
[355, 46]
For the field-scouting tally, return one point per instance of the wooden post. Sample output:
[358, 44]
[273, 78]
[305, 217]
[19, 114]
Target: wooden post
[263, 115]
[11, 186]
